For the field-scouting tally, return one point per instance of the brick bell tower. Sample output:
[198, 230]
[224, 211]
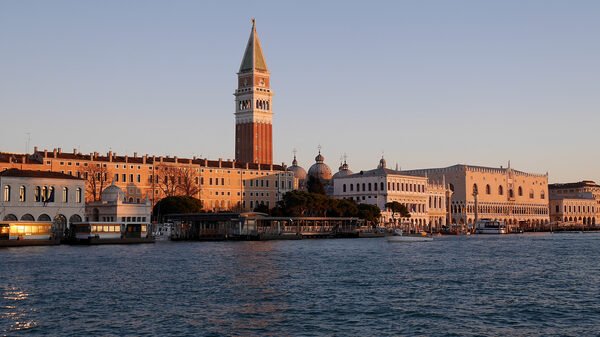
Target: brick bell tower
[253, 114]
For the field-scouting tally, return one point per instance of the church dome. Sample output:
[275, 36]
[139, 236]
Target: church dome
[299, 172]
[112, 193]
[320, 170]
[344, 171]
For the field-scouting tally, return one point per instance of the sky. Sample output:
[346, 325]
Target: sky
[423, 83]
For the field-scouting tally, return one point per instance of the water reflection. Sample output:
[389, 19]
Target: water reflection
[15, 315]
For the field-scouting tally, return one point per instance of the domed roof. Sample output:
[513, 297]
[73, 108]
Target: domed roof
[344, 171]
[320, 170]
[382, 163]
[299, 172]
[112, 193]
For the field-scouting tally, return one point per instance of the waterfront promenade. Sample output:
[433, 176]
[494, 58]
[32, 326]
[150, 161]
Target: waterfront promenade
[512, 285]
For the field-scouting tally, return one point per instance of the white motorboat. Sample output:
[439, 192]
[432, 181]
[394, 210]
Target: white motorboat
[399, 236]
[163, 232]
[486, 226]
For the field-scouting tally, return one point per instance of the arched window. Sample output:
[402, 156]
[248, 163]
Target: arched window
[344, 188]
[452, 187]
[78, 195]
[381, 186]
[22, 194]
[6, 193]
[65, 195]
[511, 194]
[38, 194]
[500, 190]
[488, 189]
[531, 195]
[475, 189]
[520, 191]
[543, 195]
[370, 187]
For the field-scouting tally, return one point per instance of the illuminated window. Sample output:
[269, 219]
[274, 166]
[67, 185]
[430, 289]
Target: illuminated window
[7, 193]
[65, 195]
[78, 195]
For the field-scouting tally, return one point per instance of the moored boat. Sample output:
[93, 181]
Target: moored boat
[98, 233]
[399, 236]
[487, 226]
[27, 233]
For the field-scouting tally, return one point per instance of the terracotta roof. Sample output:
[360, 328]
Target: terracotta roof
[585, 183]
[36, 174]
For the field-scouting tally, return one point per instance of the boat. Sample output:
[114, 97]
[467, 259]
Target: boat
[163, 232]
[399, 236]
[99, 233]
[27, 233]
[487, 226]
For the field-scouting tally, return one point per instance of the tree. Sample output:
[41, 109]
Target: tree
[262, 208]
[176, 205]
[96, 177]
[399, 208]
[177, 180]
[187, 181]
[371, 213]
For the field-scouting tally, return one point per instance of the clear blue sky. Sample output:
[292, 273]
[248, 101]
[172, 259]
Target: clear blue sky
[429, 83]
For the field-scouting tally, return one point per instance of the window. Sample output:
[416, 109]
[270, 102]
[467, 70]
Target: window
[116, 177]
[344, 188]
[381, 186]
[531, 195]
[65, 195]
[78, 195]
[500, 190]
[520, 191]
[22, 194]
[139, 178]
[488, 189]
[543, 195]
[7, 193]
[131, 178]
[38, 194]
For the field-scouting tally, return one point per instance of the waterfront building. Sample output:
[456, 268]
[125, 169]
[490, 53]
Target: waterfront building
[253, 113]
[220, 184]
[516, 197]
[29, 195]
[114, 206]
[425, 199]
[577, 203]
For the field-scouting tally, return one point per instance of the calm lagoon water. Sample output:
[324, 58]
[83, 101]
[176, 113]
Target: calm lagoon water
[513, 285]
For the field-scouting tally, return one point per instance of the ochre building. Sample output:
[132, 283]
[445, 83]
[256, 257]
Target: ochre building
[516, 197]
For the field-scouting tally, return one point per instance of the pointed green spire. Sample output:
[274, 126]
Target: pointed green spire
[253, 56]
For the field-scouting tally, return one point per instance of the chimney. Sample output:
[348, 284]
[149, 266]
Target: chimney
[175, 159]
[110, 156]
[45, 153]
[205, 162]
[54, 152]
[35, 149]
[59, 150]
[135, 155]
[144, 159]
[160, 158]
[74, 151]
[23, 159]
[220, 161]
[126, 157]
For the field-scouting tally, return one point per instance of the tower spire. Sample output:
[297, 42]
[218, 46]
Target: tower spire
[253, 56]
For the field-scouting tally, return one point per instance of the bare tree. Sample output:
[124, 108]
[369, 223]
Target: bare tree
[167, 179]
[96, 176]
[187, 181]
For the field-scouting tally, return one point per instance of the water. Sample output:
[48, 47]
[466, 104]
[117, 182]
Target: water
[513, 285]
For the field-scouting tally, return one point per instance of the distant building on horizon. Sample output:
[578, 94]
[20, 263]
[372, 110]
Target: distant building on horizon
[425, 199]
[575, 203]
[515, 197]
